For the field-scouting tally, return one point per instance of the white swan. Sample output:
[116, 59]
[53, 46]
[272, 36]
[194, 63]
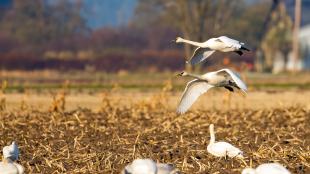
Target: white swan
[11, 151]
[10, 155]
[222, 149]
[268, 168]
[205, 49]
[202, 83]
[148, 166]
[7, 166]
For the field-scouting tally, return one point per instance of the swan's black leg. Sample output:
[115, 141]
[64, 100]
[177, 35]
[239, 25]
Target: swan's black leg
[231, 83]
[226, 156]
[229, 88]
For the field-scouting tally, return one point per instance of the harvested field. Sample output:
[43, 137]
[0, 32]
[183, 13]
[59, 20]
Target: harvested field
[84, 141]
[215, 99]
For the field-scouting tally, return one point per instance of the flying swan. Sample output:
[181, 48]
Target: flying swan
[205, 49]
[202, 83]
[268, 168]
[148, 166]
[10, 155]
[222, 149]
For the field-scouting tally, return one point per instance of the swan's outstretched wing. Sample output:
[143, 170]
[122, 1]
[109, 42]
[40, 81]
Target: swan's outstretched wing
[231, 42]
[193, 90]
[236, 78]
[226, 39]
[200, 54]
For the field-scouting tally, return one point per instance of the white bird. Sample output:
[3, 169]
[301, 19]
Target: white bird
[10, 155]
[7, 166]
[222, 149]
[11, 151]
[205, 49]
[268, 168]
[202, 83]
[148, 166]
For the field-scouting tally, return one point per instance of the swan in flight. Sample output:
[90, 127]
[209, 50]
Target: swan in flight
[148, 166]
[205, 49]
[10, 155]
[222, 149]
[268, 168]
[202, 83]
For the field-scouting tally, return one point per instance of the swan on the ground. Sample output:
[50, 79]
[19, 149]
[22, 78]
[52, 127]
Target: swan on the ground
[268, 168]
[205, 49]
[222, 149]
[148, 166]
[202, 83]
[11, 151]
[8, 164]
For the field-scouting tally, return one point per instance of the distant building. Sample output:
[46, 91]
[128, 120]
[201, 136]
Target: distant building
[304, 62]
[304, 37]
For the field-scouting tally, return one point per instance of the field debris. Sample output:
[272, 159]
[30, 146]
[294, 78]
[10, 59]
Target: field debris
[83, 141]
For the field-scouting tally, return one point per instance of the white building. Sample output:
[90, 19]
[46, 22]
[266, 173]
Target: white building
[303, 63]
[304, 38]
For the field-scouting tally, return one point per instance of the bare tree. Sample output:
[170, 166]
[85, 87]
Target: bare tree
[259, 54]
[273, 7]
[277, 39]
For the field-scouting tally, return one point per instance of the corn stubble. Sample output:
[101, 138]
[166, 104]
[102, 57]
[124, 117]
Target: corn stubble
[83, 141]
[4, 85]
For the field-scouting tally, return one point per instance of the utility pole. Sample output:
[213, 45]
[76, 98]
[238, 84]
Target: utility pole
[296, 34]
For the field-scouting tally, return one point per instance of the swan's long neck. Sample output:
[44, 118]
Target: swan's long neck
[195, 76]
[212, 135]
[198, 44]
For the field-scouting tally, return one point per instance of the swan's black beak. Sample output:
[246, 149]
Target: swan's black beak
[177, 75]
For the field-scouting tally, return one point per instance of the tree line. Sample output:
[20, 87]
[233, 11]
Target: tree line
[36, 34]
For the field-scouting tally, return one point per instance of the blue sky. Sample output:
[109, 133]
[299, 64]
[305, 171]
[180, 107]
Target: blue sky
[108, 12]
[99, 13]
[5, 3]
